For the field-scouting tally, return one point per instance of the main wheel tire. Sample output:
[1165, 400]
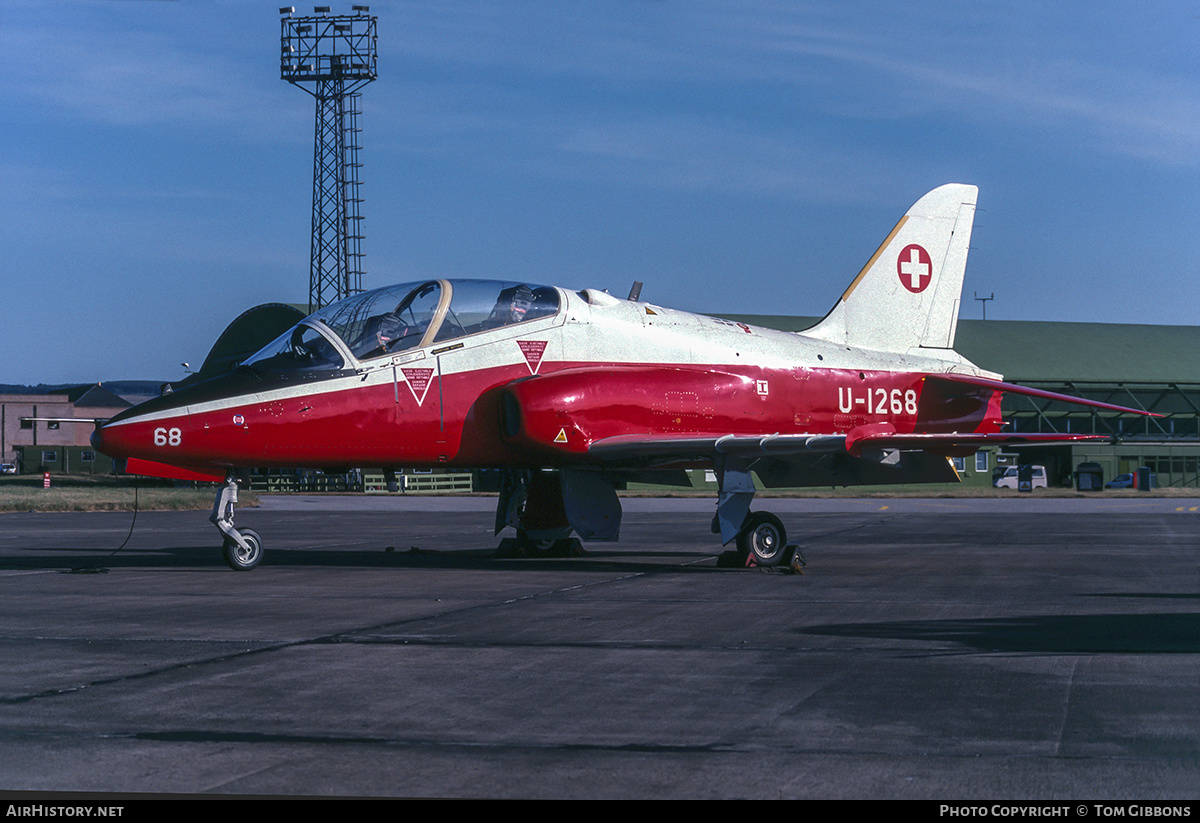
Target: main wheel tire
[764, 538]
[239, 559]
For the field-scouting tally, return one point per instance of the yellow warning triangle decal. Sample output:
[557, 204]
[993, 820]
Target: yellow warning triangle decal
[561, 437]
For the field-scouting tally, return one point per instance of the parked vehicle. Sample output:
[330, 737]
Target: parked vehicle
[7, 468]
[1008, 480]
[1129, 481]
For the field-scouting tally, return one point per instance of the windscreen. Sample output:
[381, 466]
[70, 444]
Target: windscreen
[405, 316]
[300, 347]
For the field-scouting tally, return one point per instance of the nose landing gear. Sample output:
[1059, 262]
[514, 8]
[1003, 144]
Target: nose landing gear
[243, 548]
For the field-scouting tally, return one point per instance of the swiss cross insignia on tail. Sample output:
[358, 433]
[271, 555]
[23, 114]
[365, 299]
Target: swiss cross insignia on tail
[915, 268]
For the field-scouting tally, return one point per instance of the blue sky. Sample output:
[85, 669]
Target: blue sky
[735, 155]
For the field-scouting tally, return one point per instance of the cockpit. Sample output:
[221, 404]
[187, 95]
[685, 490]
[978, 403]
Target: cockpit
[398, 318]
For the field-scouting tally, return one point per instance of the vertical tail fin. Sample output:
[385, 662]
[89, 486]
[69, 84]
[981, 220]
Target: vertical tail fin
[907, 295]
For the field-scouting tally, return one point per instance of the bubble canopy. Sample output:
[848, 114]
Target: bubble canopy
[402, 317]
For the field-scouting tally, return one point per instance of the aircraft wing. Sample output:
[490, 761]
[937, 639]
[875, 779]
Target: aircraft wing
[875, 454]
[877, 436]
[950, 444]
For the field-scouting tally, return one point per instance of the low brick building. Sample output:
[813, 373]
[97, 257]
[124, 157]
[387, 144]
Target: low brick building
[50, 432]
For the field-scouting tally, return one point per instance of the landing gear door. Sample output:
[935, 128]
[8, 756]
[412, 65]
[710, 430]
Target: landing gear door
[591, 504]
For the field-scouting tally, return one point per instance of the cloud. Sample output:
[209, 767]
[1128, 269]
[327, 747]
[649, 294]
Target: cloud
[139, 64]
[782, 99]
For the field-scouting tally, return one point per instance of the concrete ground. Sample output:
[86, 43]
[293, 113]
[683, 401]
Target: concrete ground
[942, 649]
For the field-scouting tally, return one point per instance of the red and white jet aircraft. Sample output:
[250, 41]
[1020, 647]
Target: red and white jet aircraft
[571, 392]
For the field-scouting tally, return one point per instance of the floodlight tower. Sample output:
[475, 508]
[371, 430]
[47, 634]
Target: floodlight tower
[332, 57]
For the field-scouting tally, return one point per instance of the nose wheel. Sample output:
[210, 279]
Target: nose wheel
[243, 559]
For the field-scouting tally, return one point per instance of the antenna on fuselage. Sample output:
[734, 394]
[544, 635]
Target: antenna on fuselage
[636, 291]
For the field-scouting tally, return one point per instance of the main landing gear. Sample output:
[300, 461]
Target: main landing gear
[243, 548]
[547, 507]
[760, 535]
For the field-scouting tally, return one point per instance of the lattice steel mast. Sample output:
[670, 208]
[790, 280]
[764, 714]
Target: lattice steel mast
[332, 57]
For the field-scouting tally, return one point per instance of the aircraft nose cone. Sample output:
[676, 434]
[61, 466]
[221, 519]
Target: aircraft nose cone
[107, 441]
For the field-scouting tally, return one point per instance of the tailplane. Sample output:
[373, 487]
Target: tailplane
[907, 295]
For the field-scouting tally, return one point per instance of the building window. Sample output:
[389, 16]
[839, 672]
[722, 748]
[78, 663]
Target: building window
[26, 424]
[960, 464]
[981, 461]
[52, 424]
[87, 457]
[50, 456]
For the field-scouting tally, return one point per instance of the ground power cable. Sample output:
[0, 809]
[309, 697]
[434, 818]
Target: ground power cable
[95, 567]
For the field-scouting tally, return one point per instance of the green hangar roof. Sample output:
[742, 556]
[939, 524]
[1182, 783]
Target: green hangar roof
[1082, 352]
